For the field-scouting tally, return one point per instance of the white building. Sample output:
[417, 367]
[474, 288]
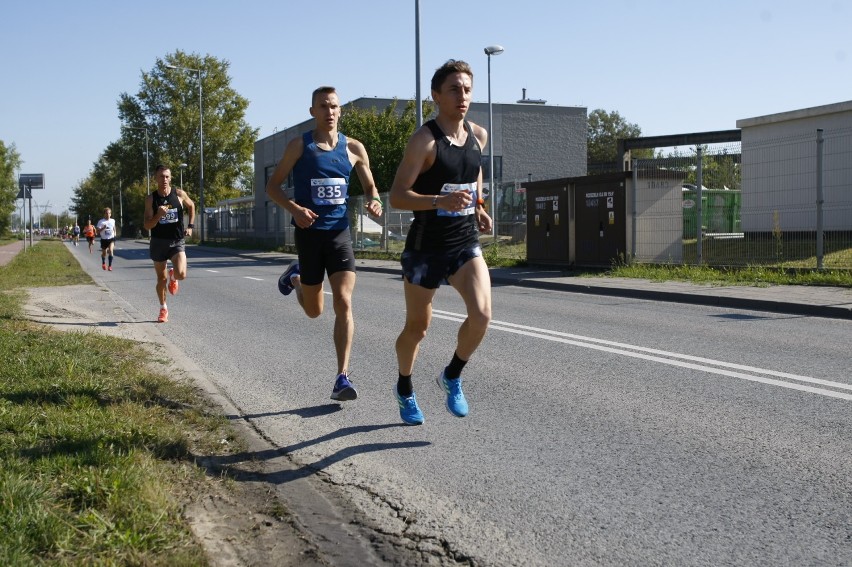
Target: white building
[779, 170]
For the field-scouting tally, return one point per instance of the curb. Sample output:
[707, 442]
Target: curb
[706, 299]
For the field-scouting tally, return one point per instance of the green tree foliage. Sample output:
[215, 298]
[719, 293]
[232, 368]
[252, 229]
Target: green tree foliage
[10, 162]
[167, 106]
[385, 135]
[604, 131]
[719, 169]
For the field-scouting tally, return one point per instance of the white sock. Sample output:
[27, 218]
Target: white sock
[163, 306]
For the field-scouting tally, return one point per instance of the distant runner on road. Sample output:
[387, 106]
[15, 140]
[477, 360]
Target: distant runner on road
[89, 233]
[106, 230]
[166, 211]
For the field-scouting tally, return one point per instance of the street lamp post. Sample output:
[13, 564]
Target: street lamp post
[182, 167]
[120, 209]
[201, 144]
[419, 100]
[147, 155]
[489, 51]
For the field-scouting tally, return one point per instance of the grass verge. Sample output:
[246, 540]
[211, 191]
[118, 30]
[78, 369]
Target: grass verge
[750, 275]
[507, 255]
[97, 446]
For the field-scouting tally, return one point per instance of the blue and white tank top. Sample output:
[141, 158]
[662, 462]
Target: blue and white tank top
[321, 182]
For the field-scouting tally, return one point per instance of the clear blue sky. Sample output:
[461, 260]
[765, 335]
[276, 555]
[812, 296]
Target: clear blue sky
[670, 66]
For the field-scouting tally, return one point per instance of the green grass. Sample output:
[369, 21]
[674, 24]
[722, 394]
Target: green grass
[97, 448]
[798, 269]
[750, 275]
[781, 260]
[780, 251]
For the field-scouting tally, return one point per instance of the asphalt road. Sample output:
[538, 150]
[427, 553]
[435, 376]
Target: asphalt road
[602, 431]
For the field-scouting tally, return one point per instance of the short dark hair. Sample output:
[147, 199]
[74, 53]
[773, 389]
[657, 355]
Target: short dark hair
[447, 69]
[321, 90]
[161, 167]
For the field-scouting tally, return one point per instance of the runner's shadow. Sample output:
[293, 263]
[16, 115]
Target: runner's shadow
[313, 411]
[286, 475]
[288, 472]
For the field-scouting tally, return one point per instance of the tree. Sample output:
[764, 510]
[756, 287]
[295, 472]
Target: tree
[385, 135]
[604, 131]
[167, 106]
[10, 162]
[719, 169]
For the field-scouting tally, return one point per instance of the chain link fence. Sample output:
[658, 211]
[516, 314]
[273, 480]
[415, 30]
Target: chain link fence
[781, 203]
[784, 203]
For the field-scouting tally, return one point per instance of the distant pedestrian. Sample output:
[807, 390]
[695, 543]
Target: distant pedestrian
[75, 234]
[440, 179]
[321, 162]
[106, 230]
[169, 215]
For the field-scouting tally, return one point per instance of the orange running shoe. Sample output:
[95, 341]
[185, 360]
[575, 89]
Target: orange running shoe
[164, 315]
[173, 283]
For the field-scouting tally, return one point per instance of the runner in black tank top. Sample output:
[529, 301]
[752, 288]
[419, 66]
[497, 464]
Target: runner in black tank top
[440, 179]
[166, 213]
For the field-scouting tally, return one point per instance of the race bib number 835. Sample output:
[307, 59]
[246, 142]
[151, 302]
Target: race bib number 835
[329, 191]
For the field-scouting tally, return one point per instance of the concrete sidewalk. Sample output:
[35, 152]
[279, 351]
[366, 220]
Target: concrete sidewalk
[9, 251]
[814, 301]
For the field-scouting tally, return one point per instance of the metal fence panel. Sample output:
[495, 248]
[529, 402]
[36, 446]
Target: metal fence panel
[754, 205]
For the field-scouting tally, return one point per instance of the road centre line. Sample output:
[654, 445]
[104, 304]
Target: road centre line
[609, 346]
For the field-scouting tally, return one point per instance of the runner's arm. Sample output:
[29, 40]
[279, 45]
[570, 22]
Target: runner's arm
[304, 217]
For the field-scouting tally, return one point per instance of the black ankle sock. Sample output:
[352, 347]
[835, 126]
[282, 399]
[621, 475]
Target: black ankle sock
[455, 368]
[404, 386]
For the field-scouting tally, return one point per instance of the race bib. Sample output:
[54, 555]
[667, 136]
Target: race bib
[329, 191]
[170, 217]
[449, 188]
[108, 230]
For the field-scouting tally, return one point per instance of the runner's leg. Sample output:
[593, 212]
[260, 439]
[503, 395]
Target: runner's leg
[418, 316]
[473, 283]
[342, 286]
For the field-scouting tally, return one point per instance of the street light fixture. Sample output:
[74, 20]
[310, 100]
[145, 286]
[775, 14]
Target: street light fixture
[147, 155]
[489, 51]
[182, 167]
[200, 143]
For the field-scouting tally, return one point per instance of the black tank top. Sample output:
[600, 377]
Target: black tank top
[171, 225]
[432, 231]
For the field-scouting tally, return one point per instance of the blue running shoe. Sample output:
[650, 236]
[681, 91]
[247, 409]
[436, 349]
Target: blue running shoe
[285, 286]
[455, 397]
[409, 411]
[343, 390]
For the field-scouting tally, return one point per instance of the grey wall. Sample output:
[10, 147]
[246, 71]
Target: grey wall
[545, 141]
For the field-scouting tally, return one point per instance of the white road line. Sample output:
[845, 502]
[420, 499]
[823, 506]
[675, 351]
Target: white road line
[212, 271]
[255, 279]
[637, 352]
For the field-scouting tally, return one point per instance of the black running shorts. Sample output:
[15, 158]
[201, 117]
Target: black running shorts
[323, 252]
[430, 270]
[162, 249]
